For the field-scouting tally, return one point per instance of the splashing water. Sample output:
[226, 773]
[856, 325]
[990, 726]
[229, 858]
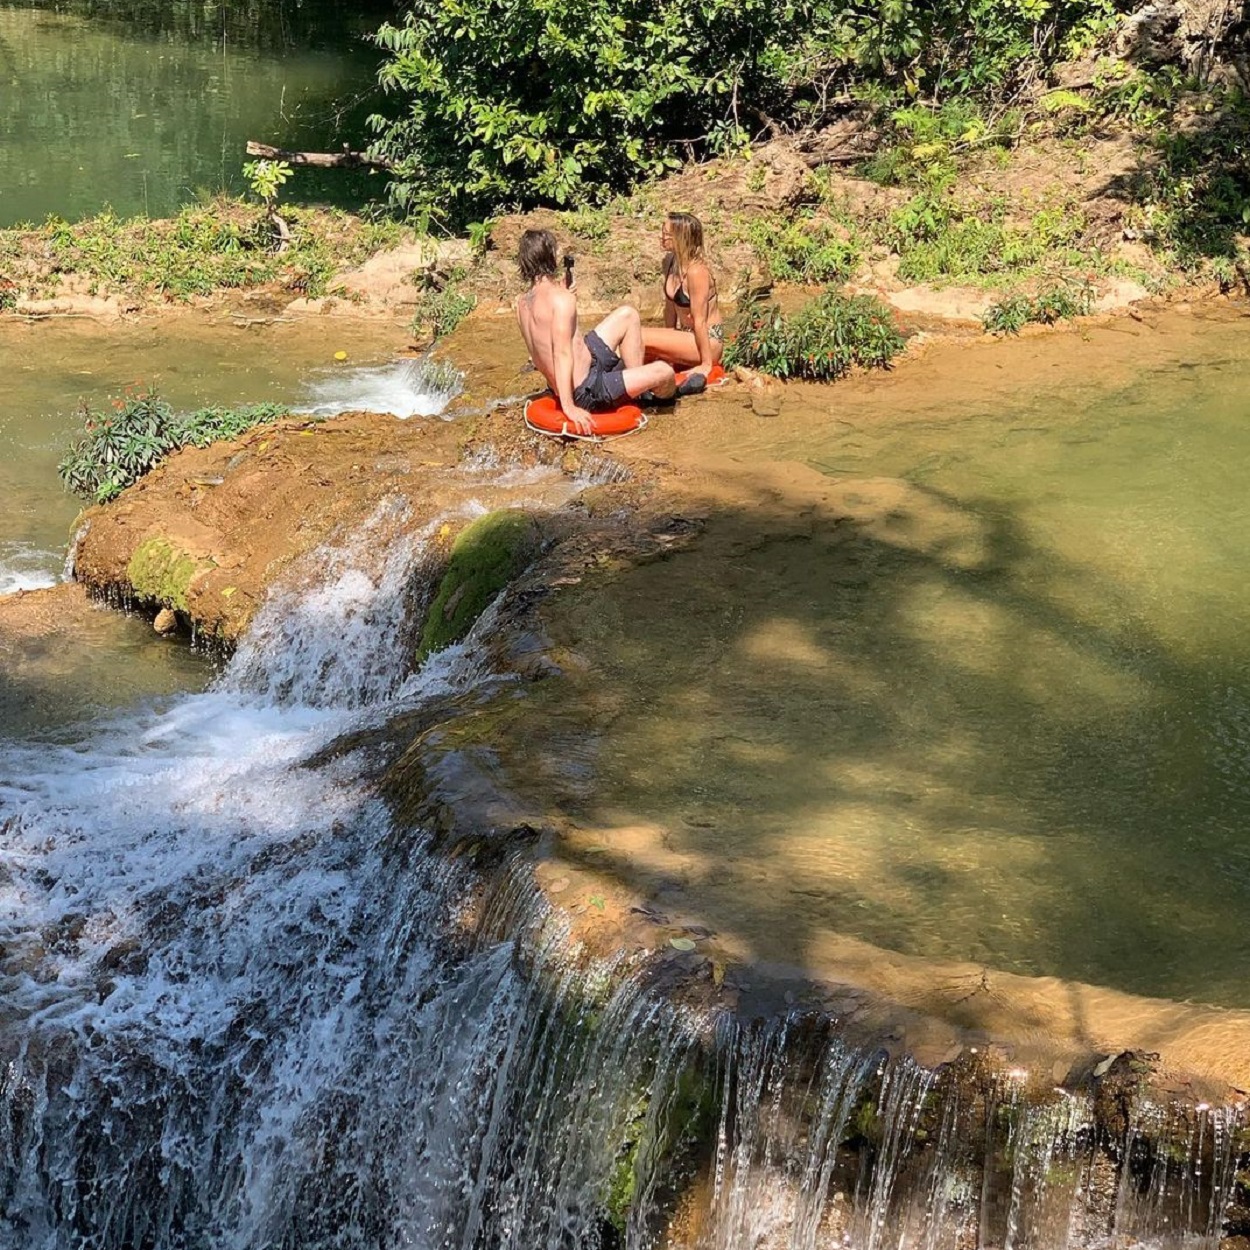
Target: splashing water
[238, 1011]
[407, 388]
[24, 567]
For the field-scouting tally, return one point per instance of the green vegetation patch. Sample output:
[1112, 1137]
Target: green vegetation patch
[442, 304]
[484, 558]
[1058, 302]
[824, 340]
[162, 573]
[119, 447]
[806, 250]
[219, 246]
[571, 103]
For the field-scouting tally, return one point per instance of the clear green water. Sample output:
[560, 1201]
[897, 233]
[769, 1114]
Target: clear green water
[53, 367]
[144, 107]
[1004, 717]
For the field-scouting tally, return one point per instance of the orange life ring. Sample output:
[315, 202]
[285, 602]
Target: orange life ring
[545, 416]
[714, 377]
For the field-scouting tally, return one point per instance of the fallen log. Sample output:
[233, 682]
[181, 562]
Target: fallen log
[346, 159]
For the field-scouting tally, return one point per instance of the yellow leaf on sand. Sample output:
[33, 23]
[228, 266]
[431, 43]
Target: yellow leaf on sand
[340, 355]
[228, 591]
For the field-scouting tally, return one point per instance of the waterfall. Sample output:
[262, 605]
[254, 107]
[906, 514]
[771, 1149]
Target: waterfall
[240, 1010]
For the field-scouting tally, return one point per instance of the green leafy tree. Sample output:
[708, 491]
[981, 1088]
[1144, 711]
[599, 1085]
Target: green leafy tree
[525, 101]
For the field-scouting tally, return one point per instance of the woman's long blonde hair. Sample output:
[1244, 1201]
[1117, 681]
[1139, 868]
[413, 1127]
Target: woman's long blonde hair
[687, 232]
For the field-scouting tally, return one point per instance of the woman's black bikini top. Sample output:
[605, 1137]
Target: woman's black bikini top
[681, 296]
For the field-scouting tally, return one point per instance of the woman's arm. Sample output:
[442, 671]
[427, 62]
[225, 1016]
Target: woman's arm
[670, 309]
[698, 287]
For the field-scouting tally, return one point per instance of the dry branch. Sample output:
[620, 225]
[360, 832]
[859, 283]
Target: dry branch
[346, 159]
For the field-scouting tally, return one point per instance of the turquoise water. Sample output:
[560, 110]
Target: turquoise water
[146, 107]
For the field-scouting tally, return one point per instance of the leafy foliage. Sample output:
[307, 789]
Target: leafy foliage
[265, 179]
[1193, 194]
[1057, 302]
[441, 304]
[823, 341]
[940, 237]
[526, 101]
[805, 250]
[120, 447]
[203, 249]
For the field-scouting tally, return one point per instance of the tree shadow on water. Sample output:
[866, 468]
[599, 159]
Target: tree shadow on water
[929, 734]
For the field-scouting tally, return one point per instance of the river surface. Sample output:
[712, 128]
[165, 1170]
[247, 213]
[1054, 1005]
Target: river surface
[1006, 719]
[232, 1015]
[144, 107]
[55, 368]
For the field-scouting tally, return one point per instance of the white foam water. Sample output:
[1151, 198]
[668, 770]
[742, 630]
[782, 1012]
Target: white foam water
[238, 1012]
[25, 567]
[419, 387]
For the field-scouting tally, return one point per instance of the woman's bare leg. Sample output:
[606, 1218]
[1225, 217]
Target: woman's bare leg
[676, 346]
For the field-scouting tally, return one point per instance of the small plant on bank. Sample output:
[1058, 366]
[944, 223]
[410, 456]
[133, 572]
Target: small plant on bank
[479, 236]
[805, 250]
[265, 178]
[1059, 302]
[120, 447]
[823, 341]
[441, 304]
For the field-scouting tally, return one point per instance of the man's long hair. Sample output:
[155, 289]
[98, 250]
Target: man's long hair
[536, 255]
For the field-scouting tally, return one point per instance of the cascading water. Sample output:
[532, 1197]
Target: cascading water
[241, 1010]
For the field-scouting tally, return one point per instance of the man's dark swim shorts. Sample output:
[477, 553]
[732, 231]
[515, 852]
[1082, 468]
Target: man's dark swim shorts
[604, 386]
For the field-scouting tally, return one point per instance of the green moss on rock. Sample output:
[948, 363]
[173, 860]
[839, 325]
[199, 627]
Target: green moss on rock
[485, 557]
[160, 572]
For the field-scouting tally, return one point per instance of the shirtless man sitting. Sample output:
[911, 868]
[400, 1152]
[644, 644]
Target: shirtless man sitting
[587, 374]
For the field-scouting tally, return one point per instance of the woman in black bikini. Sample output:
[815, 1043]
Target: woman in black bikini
[693, 334]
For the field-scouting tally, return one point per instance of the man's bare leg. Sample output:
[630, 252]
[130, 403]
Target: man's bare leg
[621, 330]
[656, 377]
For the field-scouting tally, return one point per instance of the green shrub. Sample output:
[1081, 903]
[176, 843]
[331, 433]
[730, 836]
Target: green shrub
[822, 341]
[1009, 316]
[804, 250]
[120, 447]
[1192, 194]
[441, 304]
[1058, 302]
[923, 140]
[557, 101]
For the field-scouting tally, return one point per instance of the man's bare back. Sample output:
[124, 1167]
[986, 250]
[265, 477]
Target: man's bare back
[547, 315]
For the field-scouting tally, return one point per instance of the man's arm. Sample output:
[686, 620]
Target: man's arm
[563, 330]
